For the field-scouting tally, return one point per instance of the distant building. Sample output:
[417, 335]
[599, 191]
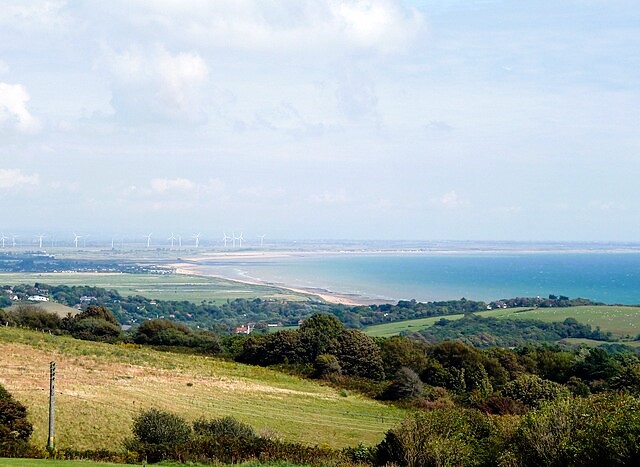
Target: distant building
[37, 298]
[245, 329]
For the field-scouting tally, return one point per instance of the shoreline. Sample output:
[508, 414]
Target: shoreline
[192, 269]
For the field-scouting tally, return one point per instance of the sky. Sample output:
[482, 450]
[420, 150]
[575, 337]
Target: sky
[334, 119]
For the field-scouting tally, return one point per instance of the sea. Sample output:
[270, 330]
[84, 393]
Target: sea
[609, 277]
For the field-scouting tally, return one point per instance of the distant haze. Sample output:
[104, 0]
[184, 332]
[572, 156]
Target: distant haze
[367, 119]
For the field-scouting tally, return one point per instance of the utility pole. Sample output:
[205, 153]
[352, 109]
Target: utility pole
[52, 393]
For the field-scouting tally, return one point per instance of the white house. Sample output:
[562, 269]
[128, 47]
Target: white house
[38, 298]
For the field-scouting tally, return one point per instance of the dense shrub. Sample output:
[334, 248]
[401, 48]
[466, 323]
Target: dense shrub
[406, 384]
[225, 428]
[326, 365]
[159, 435]
[438, 438]
[598, 430]
[532, 390]
[15, 429]
[33, 317]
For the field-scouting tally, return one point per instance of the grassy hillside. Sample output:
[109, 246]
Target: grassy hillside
[161, 287]
[100, 387]
[622, 321]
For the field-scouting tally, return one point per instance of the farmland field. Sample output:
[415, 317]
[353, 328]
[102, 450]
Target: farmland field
[100, 387]
[156, 286]
[623, 321]
[412, 325]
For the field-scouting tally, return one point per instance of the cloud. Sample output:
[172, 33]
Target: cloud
[340, 25]
[13, 178]
[13, 109]
[34, 15]
[157, 82]
[163, 185]
[449, 200]
[329, 198]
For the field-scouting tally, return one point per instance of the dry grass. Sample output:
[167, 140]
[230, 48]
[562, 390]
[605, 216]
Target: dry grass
[100, 388]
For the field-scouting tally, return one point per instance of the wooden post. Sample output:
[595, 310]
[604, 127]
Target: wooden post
[52, 393]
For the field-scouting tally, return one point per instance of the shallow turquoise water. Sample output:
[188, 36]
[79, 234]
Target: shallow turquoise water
[607, 277]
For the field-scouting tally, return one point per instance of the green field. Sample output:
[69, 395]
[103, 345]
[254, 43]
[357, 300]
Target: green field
[412, 325]
[156, 286]
[100, 387]
[622, 321]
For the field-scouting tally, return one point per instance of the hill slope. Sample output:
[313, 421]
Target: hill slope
[100, 387]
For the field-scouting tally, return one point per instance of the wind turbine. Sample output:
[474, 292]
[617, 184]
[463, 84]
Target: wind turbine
[262, 239]
[240, 239]
[3, 239]
[40, 237]
[13, 240]
[197, 237]
[76, 237]
[148, 240]
[225, 238]
[233, 239]
[172, 238]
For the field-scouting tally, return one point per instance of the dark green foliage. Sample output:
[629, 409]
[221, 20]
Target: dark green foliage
[155, 426]
[532, 390]
[326, 365]
[272, 349]
[599, 430]
[439, 438]
[15, 429]
[96, 330]
[359, 355]
[32, 317]
[319, 334]
[398, 352]
[159, 435]
[167, 333]
[406, 384]
[97, 312]
[223, 428]
[502, 332]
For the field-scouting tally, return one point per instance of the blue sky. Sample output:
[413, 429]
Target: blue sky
[368, 119]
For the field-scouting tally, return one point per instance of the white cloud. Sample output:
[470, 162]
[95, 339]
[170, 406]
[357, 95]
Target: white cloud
[343, 25]
[33, 15]
[158, 82]
[329, 197]
[12, 178]
[13, 108]
[449, 200]
[163, 185]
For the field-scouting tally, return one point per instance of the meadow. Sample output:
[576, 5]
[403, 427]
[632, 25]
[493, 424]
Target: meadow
[622, 321]
[159, 286]
[100, 387]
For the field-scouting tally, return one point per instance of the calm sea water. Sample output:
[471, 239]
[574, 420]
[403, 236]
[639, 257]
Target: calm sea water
[606, 277]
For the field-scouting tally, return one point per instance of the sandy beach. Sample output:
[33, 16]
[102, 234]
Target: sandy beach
[192, 268]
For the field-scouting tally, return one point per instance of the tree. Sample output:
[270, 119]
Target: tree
[359, 355]
[318, 334]
[406, 383]
[15, 429]
[399, 351]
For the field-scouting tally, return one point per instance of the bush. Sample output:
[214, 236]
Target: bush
[326, 365]
[225, 428]
[532, 390]
[405, 384]
[15, 429]
[598, 430]
[439, 438]
[33, 317]
[159, 435]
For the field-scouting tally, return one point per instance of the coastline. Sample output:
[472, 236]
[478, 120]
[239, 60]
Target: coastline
[193, 269]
